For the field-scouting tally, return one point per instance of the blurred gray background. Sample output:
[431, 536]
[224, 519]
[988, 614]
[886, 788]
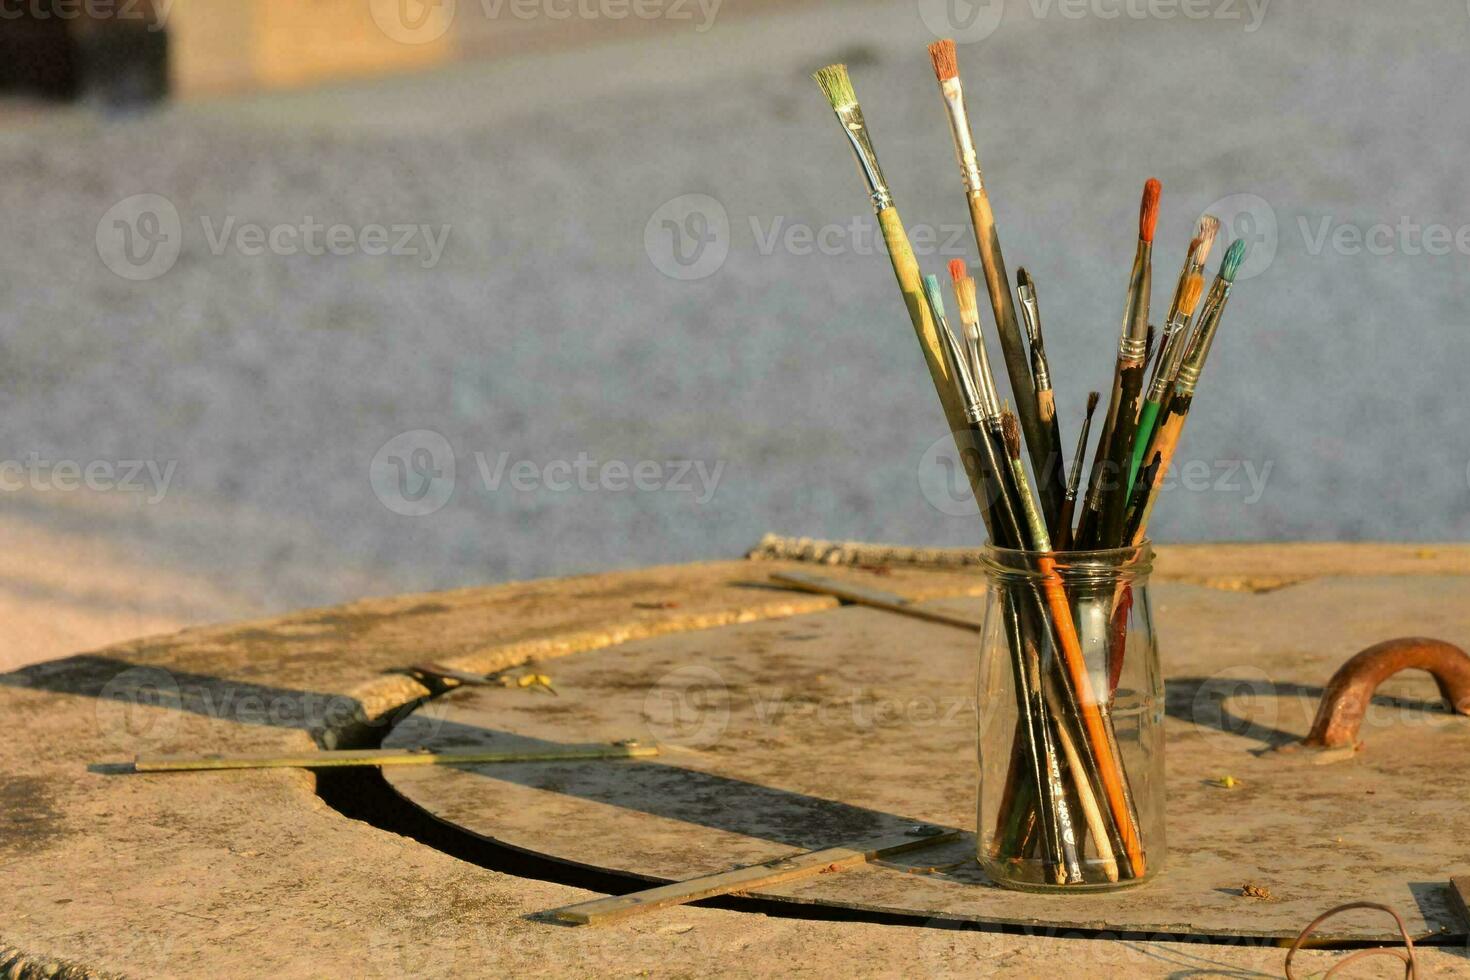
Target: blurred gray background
[635, 270]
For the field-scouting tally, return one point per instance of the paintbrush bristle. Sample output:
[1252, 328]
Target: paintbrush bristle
[1205, 230]
[1092, 397]
[942, 53]
[1010, 431]
[964, 292]
[1234, 255]
[1193, 287]
[936, 298]
[1023, 279]
[1148, 214]
[836, 86]
[1194, 247]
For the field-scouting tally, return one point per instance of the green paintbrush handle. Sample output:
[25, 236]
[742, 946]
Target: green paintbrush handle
[1147, 416]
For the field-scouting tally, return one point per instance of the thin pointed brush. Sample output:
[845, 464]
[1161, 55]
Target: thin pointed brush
[1046, 399]
[1171, 423]
[1171, 352]
[1107, 495]
[837, 87]
[1070, 869]
[1033, 733]
[995, 501]
[1064, 539]
[978, 358]
[1048, 467]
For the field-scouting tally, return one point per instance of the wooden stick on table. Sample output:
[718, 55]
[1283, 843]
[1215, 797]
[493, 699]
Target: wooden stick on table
[802, 865]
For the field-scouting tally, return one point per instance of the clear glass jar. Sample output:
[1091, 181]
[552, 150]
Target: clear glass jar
[1071, 712]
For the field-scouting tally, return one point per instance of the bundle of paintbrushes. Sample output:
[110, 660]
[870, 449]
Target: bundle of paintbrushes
[1064, 732]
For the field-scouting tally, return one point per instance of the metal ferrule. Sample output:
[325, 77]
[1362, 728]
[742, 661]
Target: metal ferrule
[1132, 350]
[1135, 314]
[1040, 370]
[1166, 365]
[984, 377]
[964, 384]
[964, 142]
[1204, 336]
[1030, 313]
[851, 117]
[1031, 316]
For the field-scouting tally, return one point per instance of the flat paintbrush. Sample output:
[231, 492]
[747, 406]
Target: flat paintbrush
[1046, 399]
[1107, 496]
[1033, 737]
[1170, 354]
[1048, 465]
[1074, 477]
[978, 358]
[837, 87]
[1171, 423]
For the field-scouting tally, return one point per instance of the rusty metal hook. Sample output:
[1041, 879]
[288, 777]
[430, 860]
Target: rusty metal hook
[1348, 693]
[1406, 955]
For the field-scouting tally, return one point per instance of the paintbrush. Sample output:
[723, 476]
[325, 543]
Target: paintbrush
[978, 358]
[837, 87]
[1074, 479]
[1048, 466]
[1046, 400]
[998, 508]
[1171, 352]
[1058, 832]
[1107, 496]
[1171, 423]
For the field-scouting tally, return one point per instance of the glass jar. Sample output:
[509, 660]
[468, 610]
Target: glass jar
[1071, 712]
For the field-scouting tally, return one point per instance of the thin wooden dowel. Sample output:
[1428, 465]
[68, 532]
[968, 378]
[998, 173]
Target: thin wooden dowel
[391, 757]
[860, 596]
[803, 865]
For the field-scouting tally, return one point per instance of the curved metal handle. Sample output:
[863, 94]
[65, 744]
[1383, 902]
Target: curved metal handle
[1346, 699]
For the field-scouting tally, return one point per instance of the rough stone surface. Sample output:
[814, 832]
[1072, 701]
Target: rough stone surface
[226, 874]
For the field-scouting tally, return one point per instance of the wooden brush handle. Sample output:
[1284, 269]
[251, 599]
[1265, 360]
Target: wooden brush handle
[1113, 503]
[1164, 445]
[911, 285]
[1045, 458]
